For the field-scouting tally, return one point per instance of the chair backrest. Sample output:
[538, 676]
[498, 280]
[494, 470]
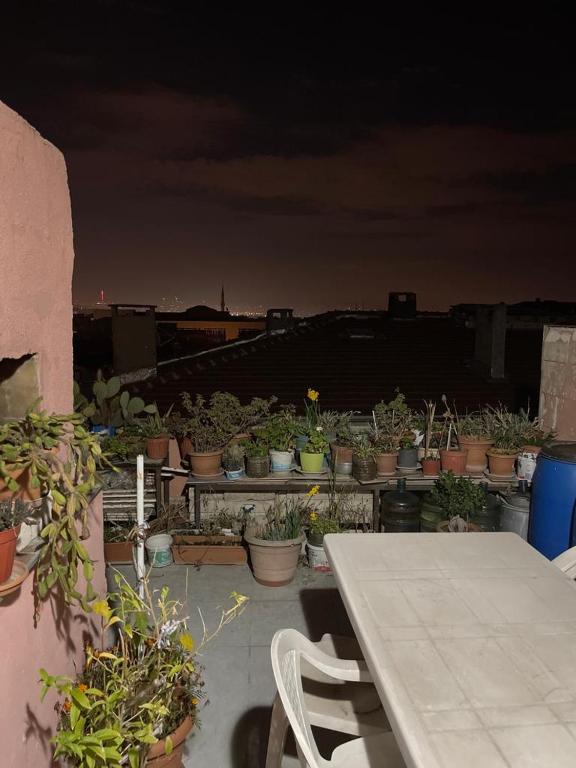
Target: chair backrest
[567, 562]
[288, 645]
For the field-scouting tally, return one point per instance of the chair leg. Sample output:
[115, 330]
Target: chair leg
[277, 737]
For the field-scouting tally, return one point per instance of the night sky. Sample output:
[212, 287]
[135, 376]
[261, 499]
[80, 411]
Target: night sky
[305, 156]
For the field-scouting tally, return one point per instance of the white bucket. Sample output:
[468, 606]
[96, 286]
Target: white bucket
[317, 558]
[158, 548]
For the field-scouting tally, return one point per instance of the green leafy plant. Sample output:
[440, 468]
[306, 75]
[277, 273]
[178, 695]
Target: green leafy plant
[61, 458]
[477, 425]
[280, 430]
[362, 447]
[317, 442]
[155, 425]
[211, 424]
[458, 496]
[139, 690]
[255, 447]
[394, 423]
[284, 519]
[123, 446]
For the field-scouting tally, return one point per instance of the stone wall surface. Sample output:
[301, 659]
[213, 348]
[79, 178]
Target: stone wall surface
[558, 381]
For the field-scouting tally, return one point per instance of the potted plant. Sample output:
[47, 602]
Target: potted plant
[312, 456]
[385, 453]
[257, 457]
[218, 543]
[363, 464]
[459, 499]
[156, 432]
[233, 461]
[508, 433]
[453, 458]
[474, 436]
[430, 460]
[124, 446]
[275, 545]
[135, 701]
[110, 408]
[210, 425]
[279, 432]
[118, 542]
[342, 450]
[12, 513]
[394, 425]
[60, 457]
[535, 437]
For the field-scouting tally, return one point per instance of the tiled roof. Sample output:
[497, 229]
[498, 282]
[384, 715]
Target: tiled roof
[355, 361]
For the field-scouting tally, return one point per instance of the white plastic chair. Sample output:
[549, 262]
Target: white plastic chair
[567, 562]
[289, 649]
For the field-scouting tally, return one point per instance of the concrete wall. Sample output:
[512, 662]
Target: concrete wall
[558, 381]
[36, 263]
[36, 257]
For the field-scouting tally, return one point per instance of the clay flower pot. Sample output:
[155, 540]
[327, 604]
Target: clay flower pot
[274, 563]
[207, 464]
[8, 541]
[430, 467]
[157, 447]
[386, 464]
[477, 448]
[341, 454]
[157, 757]
[501, 463]
[454, 461]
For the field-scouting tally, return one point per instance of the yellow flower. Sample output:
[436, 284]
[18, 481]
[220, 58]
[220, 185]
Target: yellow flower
[313, 395]
[313, 491]
[313, 516]
[102, 608]
[82, 687]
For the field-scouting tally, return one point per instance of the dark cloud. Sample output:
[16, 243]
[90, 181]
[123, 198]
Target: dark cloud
[553, 184]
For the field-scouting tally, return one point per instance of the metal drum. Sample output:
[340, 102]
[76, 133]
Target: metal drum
[551, 529]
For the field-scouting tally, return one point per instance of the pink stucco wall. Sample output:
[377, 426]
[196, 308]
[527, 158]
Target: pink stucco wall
[36, 257]
[36, 263]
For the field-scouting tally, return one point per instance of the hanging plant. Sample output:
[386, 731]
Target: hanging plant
[60, 459]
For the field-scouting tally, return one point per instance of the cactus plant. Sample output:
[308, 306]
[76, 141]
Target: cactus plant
[110, 407]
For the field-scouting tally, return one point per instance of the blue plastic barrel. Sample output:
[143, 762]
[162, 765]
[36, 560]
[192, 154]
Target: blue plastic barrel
[552, 527]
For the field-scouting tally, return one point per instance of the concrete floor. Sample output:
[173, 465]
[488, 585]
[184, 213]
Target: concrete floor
[240, 686]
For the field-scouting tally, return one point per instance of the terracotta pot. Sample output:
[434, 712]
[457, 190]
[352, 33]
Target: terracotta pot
[477, 448]
[341, 454]
[311, 462]
[118, 551]
[239, 438]
[157, 757]
[185, 447]
[8, 541]
[501, 463]
[26, 492]
[454, 460]
[157, 447]
[386, 463]
[274, 563]
[208, 464]
[257, 466]
[430, 467]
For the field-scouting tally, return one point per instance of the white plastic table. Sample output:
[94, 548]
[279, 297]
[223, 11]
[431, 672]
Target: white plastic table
[471, 642]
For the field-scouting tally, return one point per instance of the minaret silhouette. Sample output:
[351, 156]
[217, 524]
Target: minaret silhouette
[222, 302]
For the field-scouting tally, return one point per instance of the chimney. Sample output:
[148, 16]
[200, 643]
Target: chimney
[133, 337]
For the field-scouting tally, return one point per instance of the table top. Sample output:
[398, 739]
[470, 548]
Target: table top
[471, 641]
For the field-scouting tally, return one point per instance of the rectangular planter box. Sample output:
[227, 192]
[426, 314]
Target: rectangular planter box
[118, 552]
[209, 550]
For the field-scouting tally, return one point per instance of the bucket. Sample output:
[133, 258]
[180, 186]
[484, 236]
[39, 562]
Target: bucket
[552, 526]
[317, 558]
[158, 548]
